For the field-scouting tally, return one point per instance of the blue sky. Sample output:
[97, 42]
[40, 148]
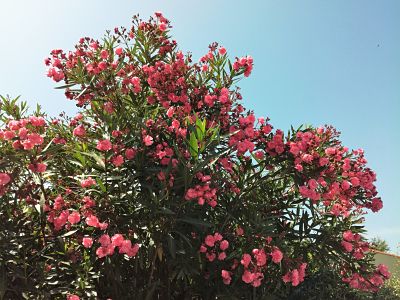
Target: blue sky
[316, 62]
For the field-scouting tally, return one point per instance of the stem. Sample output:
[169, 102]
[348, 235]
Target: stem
[42, 219]
[153, 265]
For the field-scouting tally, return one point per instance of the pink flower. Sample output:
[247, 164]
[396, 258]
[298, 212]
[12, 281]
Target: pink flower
[209, 100]
[239, 231]
[105, 240]
[37, 168]
[4, 179]
[92, 221]
[376, 204]
[133, 250]
[323, 161]
[127, 248]
[377, 280]
[23, 133]
[148, 140]
[294, 149]
[287, 277]
[74, 217]
[102, 65]
[79, 131]
[259, 155]
[58, 202]
[355, 181]
[101, 252]
[209, 241]
[40, 167]
[347, 246]
[295, 277]
[307, 158]
[257, 279]
[345, 185]
[56, 75]
[358, 254]
[276, 255]
[116, 133]
[226, 276]
[104, 145]
[222, 51]
[88, 182]
[117, 240]
[118, 51]
[110, 249]
[130, 153]
[246, 259]
[222, 256]
[162, 26]
[170, 111]
[35, 138]
[88, 202]
[348, 236]
[73, 297]
[190, 194]
[60, 221]
[104, 54]
[330, 151]
[383, 270]
[117, 160]
[302, 271]
[136, 84]
[312, 183]
[211, 256]
[299, 167]
[175, 124]
[87, 242]
[217, 236]
[103, 226]
[108, 107]
[247, 276]
[224, 245]
[260, 257]
[8, 135]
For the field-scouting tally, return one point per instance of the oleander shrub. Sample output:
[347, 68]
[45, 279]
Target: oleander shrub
[164, 186]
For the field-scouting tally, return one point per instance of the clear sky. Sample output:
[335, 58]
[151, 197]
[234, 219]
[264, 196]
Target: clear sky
[316, 62]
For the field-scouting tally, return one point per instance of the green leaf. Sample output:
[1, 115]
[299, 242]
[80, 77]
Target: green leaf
[200, 129]
[96, 157]
[171, 245]
[193, 145]
[165, 211]
[101, 185]
[69, 233]
[64, 86]
[193, 221]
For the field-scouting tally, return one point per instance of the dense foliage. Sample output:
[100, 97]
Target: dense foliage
[164, 186]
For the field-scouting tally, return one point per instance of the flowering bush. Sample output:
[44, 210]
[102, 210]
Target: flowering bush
[164, 186]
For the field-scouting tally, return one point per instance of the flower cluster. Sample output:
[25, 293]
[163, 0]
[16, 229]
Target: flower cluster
[214, 246]
[108, 245]
[334, 162]
[352, 243]
[295, 276]
[254, 265]
[372, 282]
[26, 134]
[4, 180]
